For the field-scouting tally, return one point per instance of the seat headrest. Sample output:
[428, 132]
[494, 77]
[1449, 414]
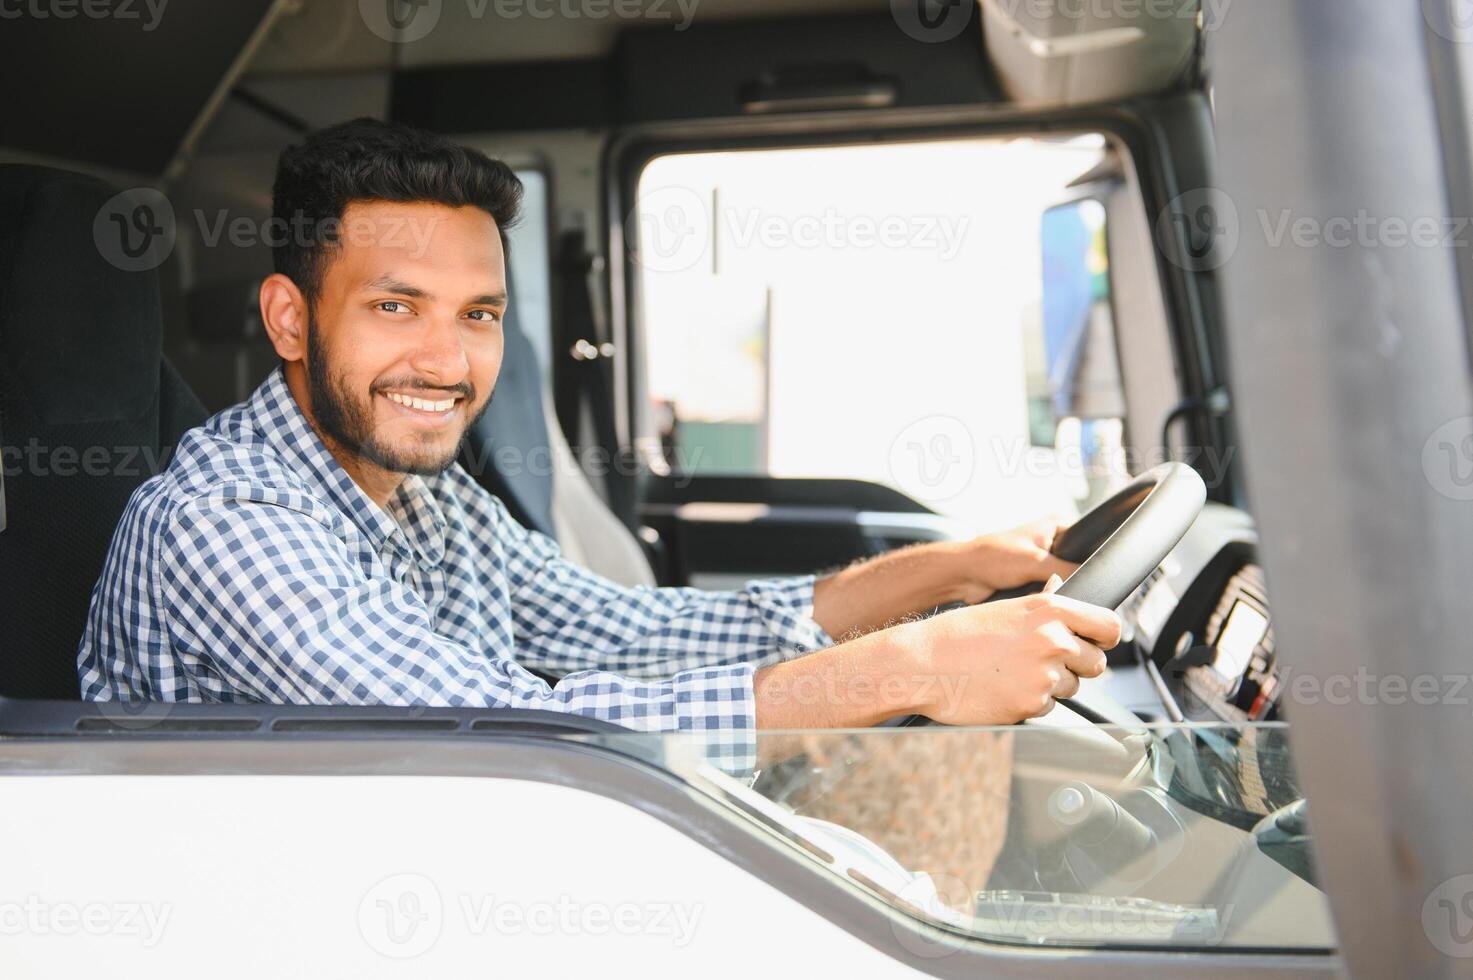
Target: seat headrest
[80, 337]
[516, 422]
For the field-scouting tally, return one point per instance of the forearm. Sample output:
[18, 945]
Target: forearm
[875, 593]
[857, 684]
[579, 621]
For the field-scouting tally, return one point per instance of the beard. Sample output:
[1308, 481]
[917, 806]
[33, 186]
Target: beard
[348, 419]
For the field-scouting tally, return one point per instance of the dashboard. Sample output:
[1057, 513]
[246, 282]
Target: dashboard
[1203, 623]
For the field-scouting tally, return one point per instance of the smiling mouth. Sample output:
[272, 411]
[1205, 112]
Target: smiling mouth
[428, 408]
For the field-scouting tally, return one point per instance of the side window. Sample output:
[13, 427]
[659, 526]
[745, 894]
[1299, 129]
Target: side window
[531, 267]
[861, 312]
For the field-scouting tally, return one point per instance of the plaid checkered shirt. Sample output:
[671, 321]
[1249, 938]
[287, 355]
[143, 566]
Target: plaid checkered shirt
[254, 569]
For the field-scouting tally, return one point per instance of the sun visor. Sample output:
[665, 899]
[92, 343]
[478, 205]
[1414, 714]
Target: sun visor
[799, 64]
[1055, 53]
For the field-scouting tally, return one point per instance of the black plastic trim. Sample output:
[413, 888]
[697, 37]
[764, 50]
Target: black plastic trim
[21, 718]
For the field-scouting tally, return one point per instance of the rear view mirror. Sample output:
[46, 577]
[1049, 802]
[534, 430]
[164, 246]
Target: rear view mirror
[1075, 399]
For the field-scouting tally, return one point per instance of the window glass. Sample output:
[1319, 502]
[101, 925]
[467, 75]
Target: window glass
[933, 316]
[531, 269]
[1179, 836]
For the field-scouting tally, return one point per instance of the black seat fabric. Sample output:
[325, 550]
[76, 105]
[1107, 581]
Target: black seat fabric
[89, 409]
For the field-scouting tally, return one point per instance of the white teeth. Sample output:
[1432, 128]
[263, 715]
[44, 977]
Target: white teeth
[422, 404]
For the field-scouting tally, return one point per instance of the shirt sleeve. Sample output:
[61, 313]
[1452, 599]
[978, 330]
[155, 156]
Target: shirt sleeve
[568, 618]
[265, 601]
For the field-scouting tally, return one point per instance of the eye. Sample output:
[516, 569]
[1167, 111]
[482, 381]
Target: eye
[485, 316]
[391, 306]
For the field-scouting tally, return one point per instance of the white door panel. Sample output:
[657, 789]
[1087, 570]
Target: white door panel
[290, 876]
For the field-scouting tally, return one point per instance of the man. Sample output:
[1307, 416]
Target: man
[318, 545]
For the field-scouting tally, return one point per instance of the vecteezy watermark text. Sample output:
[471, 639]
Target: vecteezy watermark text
[407, 21]
[37, 459]
[1362, 229]
[671, 229]
[1202, 229]
[147, 13]
[1364, 687]
[860, 689]
[35, 916]
[138, 229]
[403, 916]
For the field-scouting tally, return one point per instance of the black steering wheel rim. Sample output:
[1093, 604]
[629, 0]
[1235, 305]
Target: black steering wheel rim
[1122, 540]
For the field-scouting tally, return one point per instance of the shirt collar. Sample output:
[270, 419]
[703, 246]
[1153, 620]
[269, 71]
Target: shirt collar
[412, 521]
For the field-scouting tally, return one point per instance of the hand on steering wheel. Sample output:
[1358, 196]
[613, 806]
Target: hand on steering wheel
[1037, 649]
[1117, 545]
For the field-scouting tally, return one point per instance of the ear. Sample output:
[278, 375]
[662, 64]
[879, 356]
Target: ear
[284, 313]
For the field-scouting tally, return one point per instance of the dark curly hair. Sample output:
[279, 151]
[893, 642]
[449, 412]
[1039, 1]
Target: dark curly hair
[371, 160]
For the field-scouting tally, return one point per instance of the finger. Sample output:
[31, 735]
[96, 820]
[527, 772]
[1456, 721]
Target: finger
[1054, 581]
[1068, 684]
[1054, 565]
[1047, 706]
[1046, 530]
[1091, 622]
[1087, 660]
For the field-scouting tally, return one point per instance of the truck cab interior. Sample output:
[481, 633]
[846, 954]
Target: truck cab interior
[801, 283]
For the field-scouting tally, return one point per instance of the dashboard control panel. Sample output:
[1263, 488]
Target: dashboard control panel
[1238, 681]
[1203, 619]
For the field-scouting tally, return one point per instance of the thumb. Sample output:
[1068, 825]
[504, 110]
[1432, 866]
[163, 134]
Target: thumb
[1053, 583]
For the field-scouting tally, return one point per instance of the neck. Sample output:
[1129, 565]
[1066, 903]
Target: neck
[373, 480]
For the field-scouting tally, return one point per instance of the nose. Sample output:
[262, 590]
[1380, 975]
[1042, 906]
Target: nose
[440, 356]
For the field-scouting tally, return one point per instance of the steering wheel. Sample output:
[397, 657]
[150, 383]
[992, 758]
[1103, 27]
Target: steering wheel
[1117, 545]
[1121, 541]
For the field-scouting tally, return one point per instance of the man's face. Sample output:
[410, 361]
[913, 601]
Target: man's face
[405, 340]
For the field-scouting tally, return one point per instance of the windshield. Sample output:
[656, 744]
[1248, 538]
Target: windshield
[1183, 836]
[753, 336]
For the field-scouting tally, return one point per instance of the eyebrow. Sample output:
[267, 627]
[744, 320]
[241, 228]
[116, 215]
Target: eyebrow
[390, 284]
